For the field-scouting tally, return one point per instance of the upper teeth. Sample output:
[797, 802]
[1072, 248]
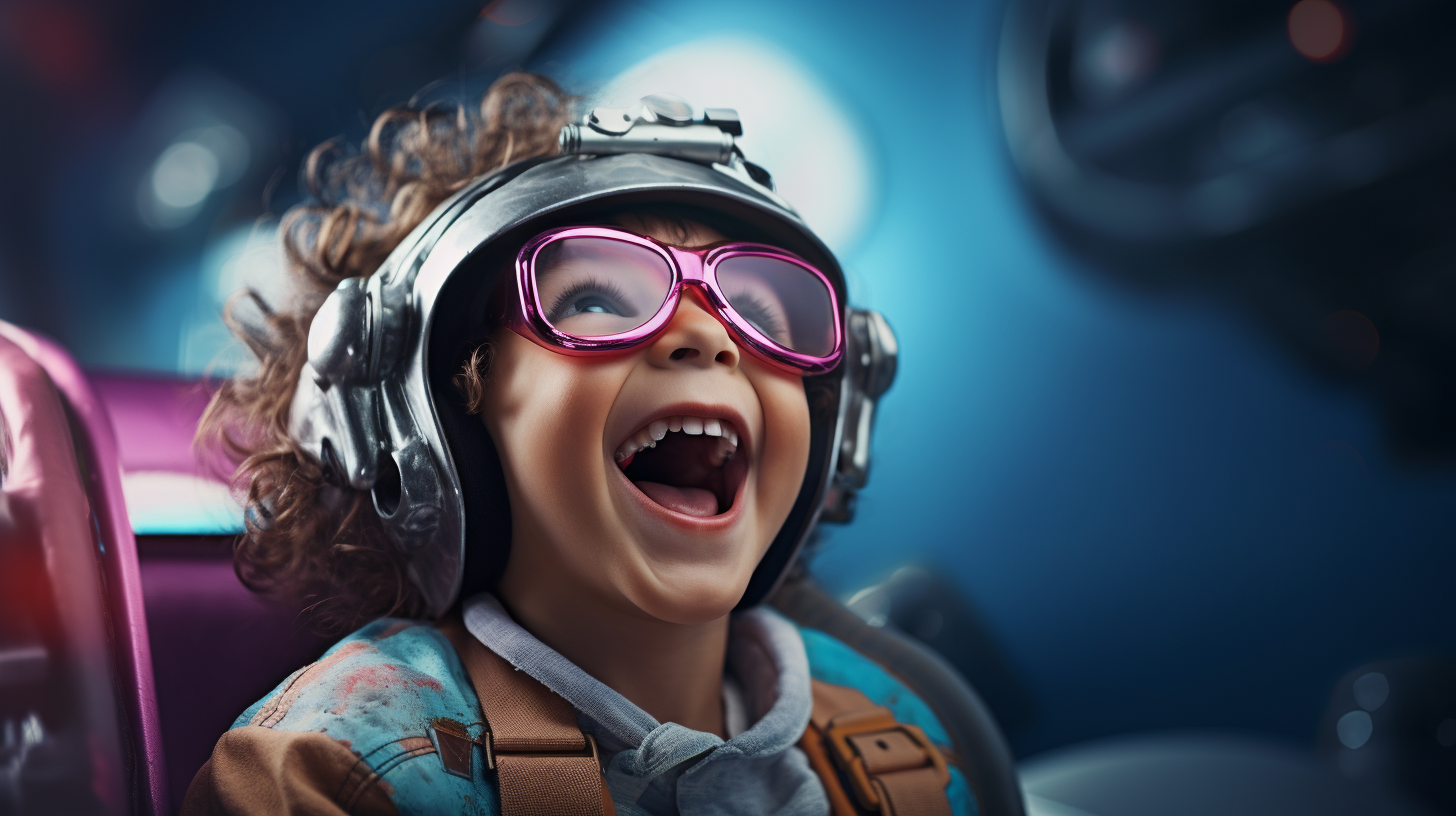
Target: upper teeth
[654, 431]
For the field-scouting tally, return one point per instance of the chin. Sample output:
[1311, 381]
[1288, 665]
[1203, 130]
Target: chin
[703, 597]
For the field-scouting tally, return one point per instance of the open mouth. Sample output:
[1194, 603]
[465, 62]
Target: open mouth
[687, 464]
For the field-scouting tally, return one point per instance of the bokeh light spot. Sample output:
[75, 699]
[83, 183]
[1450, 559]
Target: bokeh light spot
[1371, 690]
[1354, 729]
[184, 174]
[1319, 30]
[1122, 56]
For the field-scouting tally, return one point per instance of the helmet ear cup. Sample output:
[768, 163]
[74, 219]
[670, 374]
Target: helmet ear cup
[335, 411]
[339, 336]
[871, 357]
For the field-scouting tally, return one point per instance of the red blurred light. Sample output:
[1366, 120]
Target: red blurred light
[1320, 30]
[511, 12]
[59, 42]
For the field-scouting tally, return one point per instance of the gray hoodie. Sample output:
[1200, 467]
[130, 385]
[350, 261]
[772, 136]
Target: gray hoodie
[664, 769]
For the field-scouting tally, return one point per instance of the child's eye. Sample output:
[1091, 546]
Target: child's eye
[590, 297]
[763, 317]
[591, 304]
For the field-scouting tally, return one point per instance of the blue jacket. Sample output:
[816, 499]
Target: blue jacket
[355, 727]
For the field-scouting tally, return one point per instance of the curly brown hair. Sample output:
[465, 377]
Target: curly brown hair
[306, 541]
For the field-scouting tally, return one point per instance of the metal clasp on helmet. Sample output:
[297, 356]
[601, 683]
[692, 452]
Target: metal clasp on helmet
[870, 365]
[335, 410]
[665, 125]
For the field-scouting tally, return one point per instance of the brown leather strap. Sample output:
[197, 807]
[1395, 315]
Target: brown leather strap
[545, 765]
[891, 768]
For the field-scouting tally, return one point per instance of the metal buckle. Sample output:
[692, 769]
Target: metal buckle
[491, 753]
[866, 722]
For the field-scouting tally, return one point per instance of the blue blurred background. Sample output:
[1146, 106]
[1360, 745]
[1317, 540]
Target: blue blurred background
[1165, 508]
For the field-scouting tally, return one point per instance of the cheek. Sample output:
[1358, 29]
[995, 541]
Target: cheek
[786, 446]
[545, 412]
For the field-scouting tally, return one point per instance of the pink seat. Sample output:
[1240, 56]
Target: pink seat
[72, 612]
[172, 647]
[216, 648]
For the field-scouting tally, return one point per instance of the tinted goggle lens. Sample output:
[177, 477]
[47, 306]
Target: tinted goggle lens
[787, 303]
[593, 287]
[598, 287]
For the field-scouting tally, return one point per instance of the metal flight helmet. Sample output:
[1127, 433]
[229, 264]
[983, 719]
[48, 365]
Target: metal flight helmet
[376, 405]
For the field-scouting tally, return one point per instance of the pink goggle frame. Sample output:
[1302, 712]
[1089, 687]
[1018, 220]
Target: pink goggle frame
[688, 267]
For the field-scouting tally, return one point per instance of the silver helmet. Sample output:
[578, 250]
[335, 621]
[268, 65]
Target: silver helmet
[375, 404]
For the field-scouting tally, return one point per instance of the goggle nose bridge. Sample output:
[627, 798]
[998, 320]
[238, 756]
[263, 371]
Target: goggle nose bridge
[711, 303]
[692, 273]
[687, 260]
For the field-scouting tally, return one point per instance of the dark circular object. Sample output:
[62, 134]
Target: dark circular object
[1195, 145]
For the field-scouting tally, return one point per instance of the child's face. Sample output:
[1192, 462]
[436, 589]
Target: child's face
[683, 545]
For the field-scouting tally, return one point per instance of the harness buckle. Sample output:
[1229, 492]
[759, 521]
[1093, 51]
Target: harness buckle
[869, 743]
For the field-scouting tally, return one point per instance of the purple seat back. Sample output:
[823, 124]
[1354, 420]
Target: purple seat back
[216, 647]
[155, 418]
[66, 475]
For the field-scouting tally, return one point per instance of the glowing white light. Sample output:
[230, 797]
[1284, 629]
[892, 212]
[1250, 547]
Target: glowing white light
[184, 175]
[32, 732]
[792, 125]
[872, 604]
[161, 503]
[248, 257]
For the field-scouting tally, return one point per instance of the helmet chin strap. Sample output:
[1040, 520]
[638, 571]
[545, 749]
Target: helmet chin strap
[365, 407]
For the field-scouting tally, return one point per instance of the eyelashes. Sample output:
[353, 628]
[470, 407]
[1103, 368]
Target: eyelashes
[604, 290]
[763, 316]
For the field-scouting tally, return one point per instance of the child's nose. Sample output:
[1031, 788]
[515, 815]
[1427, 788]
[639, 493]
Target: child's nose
[694, 337]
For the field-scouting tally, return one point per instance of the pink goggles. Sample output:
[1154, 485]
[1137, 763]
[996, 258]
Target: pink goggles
[598, 289]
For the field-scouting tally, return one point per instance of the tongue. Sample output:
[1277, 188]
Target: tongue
[690, 501]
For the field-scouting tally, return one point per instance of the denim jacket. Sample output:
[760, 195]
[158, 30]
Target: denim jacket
[351, 732]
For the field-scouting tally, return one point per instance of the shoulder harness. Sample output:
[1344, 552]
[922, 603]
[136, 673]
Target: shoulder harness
[867, 761]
